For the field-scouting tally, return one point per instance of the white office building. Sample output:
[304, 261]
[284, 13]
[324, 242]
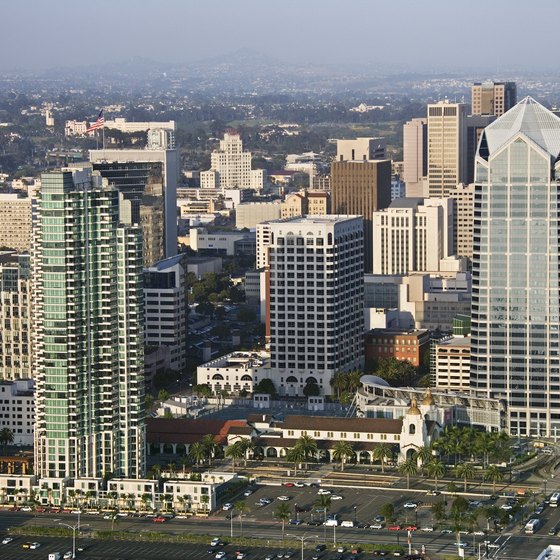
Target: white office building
[17, 409]
[315, 304]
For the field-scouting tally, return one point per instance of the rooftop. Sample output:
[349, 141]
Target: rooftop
[406, 202]
[456, 341]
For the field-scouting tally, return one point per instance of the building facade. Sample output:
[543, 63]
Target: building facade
[15, 222]
[516, 300]
[463, 211]
[88, 323]
[148, 179]
[249, 214]
[393, 343]
[15, 317]
[452, 363]
[446, 147]
[493, 98]
[315, 299]
[415, 156]
[17, 409]
[361, 188]
[165, 308]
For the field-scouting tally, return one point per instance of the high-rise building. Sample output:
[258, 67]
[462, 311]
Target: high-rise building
[474, 126]
[360, 148]
[516, 268]
[15, 317]
[463, 209]
[148, 179]
[360, 188]
[493, 98]
[446, 147]
[415, 156]
[15, 222]
[88, 328]
[230, 166]
[315, 299]
[412, 235]
[165, 308]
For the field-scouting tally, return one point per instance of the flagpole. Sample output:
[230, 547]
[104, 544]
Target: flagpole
[103, 109]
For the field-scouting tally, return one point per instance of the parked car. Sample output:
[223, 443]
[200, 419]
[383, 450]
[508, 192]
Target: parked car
[227, 506]
[336, 497]
[410, 505]
[34, 545]
[377, 526]
[160, 519]
[284, 498]
[299, 484]
[67, 555]
[428, 529]
[296, 521]
[247, 492]
[7, 540]
[394, 527]
[220, 555]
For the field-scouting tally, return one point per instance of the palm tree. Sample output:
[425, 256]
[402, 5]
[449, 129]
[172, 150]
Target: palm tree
[156, 471]
[204, 499]
[466, 472]
[308, 446]
[435, 469]
[296, 456]
[381, 453]
[210, 446]
[342, 451]
[338, 383]
[6, 437]
[282, 513]
[246, 445]
[423, 454]
[438, 510]
[197, 452]
[145, 499]
[242, 508]
[234, 452]
[324, 502]
[408, 468]
[494, 474]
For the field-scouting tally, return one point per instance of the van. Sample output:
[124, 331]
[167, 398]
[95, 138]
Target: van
[347, 524]
[55, 556]
[331, 523]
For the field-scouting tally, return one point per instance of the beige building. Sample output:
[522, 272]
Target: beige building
[15, 317]
[75, 128]
[493, 98]
[415, 156]
[318, 203]
[463, 220]
[294, 205]
[360, 149]
[15, 222]
[452, 363]
[361, 188]
[446, 147]
[249, 214]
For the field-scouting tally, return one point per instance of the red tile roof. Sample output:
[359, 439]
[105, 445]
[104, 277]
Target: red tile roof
[184, 430]
[336, 424]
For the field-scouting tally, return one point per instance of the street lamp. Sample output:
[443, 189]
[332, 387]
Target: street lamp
[355, 514]
[74, 528]
[231, 523]
[303, 538]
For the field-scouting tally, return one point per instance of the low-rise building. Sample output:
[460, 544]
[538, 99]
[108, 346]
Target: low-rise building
[223, 242]
[17, 488]
[393, 343]
[17, 409]
[452, 363]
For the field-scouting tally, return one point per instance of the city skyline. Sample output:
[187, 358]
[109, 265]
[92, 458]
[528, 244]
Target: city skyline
[408, 37]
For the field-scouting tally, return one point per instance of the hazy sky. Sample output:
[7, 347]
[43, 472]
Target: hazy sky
[422, 35]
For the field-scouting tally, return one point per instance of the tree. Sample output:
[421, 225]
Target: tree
[311, 390]
[494, 474]
[381, 453]
[388, 511]
[295, 455]
[197, 452]
[408, 467]
[460, 505]
[163, 395]
[308, 446]
[396, 372]
[343, 451]
[265, 386]
[202, 390]
[210, 446]
[435, 469]
[242, 508]
[282, 513]
[466, 472]
[438, 510]
[324, 502]
[423, 454]
[6, 437]
[235, 452]
[246, 445]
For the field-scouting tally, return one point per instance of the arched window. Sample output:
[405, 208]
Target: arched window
[218, 377]
[412, 429]
[311, 380]
[246, 378]
[291, 379]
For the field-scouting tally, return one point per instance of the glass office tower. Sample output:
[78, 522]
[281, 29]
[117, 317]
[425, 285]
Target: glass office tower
[515, 308]
[89, 353]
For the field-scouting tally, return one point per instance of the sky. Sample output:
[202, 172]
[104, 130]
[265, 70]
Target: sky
[408, 35]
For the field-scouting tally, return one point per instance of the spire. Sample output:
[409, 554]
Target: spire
[414, 408]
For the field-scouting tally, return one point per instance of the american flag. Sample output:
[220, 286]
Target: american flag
[99, 123]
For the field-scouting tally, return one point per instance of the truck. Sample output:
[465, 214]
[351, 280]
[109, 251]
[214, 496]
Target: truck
[55, 556]
[554, 499]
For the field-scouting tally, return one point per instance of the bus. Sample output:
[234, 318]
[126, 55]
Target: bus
[532, 526]
[554, 499]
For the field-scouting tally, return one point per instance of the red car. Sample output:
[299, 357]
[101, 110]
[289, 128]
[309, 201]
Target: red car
[288, 484]
[160, 519]
[394, 527]
[41, 510]
[412, 528]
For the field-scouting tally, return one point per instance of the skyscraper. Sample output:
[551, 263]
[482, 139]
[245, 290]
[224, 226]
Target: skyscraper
[516, 275]
[493, 98]
[359, 188]
[415, 156]
[88, 326]
[148, 179]
[446, 147]
[315, 299]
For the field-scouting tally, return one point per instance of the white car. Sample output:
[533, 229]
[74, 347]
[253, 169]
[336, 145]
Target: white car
[247, 492]
[336, 497]
[284, 498]
[377, 526]
[34, 545]
[427, 529]
[506, 507]
[410, 505]
[26, 508]
[479, 533]
[324, 492]
[7, 540]
[215, 542]
[299, 484]
[227, 507]
[220, 555]
[67, 555]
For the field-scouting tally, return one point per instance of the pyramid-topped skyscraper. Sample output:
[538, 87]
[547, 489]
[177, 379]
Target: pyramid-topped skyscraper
[516, 274]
